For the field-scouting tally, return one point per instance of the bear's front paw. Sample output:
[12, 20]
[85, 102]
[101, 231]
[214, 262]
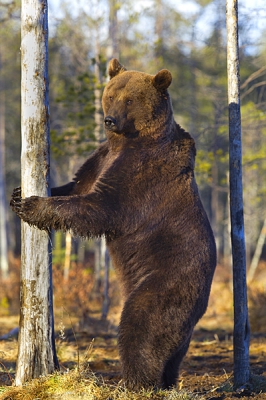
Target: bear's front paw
[27, 208]
[15, 202]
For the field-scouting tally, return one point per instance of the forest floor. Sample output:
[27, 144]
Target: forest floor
[207, 369]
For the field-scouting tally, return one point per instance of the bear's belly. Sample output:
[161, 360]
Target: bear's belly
[166, 257]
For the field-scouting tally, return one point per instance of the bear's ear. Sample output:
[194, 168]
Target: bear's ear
[162, 80]
[115, 68]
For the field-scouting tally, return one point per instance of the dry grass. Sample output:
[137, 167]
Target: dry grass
[76, 385]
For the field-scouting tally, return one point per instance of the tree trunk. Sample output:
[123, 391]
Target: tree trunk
[158, 30]
[241, 322]
[215, 200]
[36, 353]
[97, 93]
[112, 50]
[97, 268]
[106, 298]
[68, 249]
[98, 243]
[256, 258]
[3, 206]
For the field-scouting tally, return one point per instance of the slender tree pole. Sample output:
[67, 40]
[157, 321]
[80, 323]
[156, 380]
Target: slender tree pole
[99, 243]
[112, 51]
[241, 322]
[36, 355]
[256, 257]
[3, 205]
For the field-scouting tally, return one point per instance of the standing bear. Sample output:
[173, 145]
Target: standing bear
[138, 190]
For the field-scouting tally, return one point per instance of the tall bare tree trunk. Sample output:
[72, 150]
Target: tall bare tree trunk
[3, 206]
[158, 30]
[36, 354]
[215, 198]
[256, 257]
[98, 132]
[241, 322]
[68, 236]
[67, 262]
[106, 298]
[97, 93]
[113, 50]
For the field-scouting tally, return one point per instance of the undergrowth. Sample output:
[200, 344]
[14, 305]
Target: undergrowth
[76, 385]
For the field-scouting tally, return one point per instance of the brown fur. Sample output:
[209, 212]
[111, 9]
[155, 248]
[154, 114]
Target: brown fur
[138, 189]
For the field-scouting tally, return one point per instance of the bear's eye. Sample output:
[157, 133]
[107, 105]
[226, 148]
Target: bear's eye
[111, 98]
[128, 102]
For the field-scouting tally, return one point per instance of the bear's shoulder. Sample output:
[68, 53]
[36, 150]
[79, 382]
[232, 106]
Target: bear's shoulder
[183, 149]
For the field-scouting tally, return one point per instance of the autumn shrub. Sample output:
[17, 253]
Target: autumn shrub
[9, 289]
[73, 293]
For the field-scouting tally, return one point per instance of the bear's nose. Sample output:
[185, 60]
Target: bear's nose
[109, 121]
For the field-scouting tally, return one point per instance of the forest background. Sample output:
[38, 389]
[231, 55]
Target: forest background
[146, 36]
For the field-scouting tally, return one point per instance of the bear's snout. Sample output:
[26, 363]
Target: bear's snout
[109, 122]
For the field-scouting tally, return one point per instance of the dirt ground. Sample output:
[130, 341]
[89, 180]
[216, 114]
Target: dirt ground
[206, 370]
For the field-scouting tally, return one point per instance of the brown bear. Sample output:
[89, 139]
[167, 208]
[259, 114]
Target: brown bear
[138, 190]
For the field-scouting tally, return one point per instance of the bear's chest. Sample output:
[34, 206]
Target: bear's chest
[105, 168]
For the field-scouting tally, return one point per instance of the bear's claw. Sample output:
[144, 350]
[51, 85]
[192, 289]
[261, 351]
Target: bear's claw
[16, 199]
[17, 202]
[16, 192]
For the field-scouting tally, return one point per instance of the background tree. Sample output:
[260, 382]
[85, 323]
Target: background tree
[3, 204]
[8, 15]
[10, 103]
[36, 354]
[241, 322]
[112, 52]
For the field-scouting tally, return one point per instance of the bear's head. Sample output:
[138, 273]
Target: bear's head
[137, 104]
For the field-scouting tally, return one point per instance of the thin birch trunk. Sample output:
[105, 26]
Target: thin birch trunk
[158, 45]
[68, 236]
[68, 249]
[3, 206]
[97, 93]
[241, 322]
[97, 268]
[103, 257]
[112, 49]
[113, 52]
[36, 353]
[256, 258]
[99, 242]
[106, 298]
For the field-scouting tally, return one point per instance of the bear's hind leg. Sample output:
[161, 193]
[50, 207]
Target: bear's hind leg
[138, 373]
[142, 363]
[140, 366]
[154, 336]
[171, 368]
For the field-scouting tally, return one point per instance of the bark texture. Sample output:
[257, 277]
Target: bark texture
[241, 322]
[36, 355]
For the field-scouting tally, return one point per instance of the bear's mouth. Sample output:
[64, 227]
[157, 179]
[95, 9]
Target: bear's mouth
[126, 134]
